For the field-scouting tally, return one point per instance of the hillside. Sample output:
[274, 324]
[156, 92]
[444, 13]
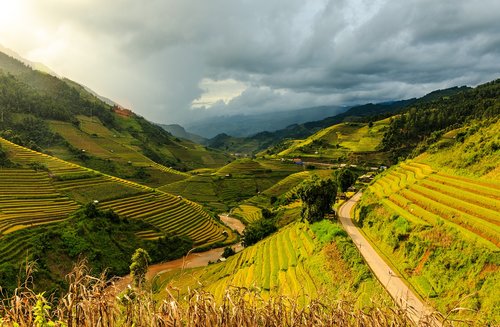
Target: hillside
[437, 218]
[62, 187]
[339, 143]
[61, 117]
[361, 114]
[226, 187]
[179, 131]
[300, 261]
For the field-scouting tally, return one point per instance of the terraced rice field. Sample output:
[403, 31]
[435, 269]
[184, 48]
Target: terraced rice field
[170, 214]
[423, 196]
[345, 136]
[27, 198]
[286, 184]
[274, 265]
[167, 212]
[248, 213]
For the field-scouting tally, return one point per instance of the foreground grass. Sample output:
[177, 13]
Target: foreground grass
[91, 301]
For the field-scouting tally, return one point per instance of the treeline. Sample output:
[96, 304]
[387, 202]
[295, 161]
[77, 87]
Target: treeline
[425, 122]
[62, 102]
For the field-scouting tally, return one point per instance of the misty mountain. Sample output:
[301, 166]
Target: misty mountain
[361, 113]
[179, 131]
[246, 125]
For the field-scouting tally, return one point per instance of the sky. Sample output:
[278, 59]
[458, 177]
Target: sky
[175, 61]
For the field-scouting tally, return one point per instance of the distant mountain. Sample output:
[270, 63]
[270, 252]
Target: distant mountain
[179, 131]
[362, 113]
[246, 125]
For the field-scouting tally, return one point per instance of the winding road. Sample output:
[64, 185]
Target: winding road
[402, 295]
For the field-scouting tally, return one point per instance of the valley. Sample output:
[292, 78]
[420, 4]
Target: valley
[410, 226]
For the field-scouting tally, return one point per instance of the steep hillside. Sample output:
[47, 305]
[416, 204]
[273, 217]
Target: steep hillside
[300, 261]
[46, 113]
[61, 187]
[436, 218]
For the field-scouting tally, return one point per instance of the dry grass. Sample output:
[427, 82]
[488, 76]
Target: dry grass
[91, 301]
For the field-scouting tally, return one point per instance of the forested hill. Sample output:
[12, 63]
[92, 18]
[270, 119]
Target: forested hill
[46, 113]
[423, 123]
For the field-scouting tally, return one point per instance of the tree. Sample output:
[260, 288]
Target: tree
[257, 230]
[228, 251]
[139, 266]
[345, 178]
[318, 196]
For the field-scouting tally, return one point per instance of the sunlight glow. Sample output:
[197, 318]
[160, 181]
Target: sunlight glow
[216, 91]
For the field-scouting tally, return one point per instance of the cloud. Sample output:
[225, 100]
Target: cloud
[156, 56]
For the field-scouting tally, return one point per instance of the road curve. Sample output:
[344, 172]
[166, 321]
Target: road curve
[402, 295]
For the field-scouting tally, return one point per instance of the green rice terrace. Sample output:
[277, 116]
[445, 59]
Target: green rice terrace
[237, 181]
[337, 141]
[42, 189]
[440, 230]
[298, 261]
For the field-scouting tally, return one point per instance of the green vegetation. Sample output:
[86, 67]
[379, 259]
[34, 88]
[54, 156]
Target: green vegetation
[299, 261]
[139, 267]
[423, 124]
[258, 230]
[338, 141]
[345, 179]
[441, 230]
[233, 183]
[318, 196]
[106, 240]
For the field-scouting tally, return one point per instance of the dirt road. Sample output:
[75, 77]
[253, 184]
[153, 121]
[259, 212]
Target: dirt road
[401, 294]
[233, 223]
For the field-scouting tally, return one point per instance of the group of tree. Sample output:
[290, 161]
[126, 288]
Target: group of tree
[425, 120]
[105, 239]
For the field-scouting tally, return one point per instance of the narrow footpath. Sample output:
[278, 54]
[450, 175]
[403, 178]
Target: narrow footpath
[402, 295]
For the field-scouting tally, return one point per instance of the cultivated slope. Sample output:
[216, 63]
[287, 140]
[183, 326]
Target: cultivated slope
[58, 187]
[437, 218]
[301, 261]
[337, 141]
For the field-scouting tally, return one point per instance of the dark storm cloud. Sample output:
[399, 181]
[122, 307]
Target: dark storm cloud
[290, 53]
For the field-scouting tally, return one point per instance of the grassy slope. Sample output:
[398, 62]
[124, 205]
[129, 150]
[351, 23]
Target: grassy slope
[300, 261]
[437, 219]
[121, 152]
